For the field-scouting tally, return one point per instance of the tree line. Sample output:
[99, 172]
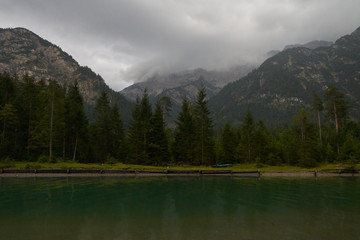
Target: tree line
[46, 122]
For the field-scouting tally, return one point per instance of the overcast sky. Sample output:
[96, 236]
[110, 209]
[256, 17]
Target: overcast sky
[127, 40]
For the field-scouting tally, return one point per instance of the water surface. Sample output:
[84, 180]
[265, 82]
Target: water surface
[180, 208]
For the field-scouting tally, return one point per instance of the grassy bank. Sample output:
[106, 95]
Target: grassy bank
[121, 166]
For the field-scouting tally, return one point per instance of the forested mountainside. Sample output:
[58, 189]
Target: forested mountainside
[185, 84]
[287, 82]
[23, 52]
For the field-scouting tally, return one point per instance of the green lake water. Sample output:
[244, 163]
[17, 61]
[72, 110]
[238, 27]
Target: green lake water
[196, 208]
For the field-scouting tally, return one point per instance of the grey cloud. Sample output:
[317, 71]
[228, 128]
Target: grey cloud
[129, 40]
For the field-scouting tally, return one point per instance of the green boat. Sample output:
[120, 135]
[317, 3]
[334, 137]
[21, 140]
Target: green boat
[222, 165]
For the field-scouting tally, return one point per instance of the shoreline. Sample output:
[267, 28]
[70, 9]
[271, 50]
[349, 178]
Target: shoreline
[22, 173]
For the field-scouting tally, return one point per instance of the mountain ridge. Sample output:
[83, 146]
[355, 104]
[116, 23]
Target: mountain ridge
[24, 52]
[287, 81]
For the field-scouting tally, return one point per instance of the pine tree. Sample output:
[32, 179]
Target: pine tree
[185, 136]
[165, 104]
[318, 106]
[228, 145]
[337, 108]
[304, 135]
[7, 89]
[247, 138]
[158, 147]
[101, 128]
[29, 101]
[56, 98]
[205, 146]
[117, 133]
[261, 143]
[139, 131]
[76, 124]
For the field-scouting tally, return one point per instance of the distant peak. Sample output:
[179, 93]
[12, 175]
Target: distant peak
[356, 32]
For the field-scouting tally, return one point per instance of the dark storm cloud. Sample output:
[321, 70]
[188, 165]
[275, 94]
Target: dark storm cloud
[128, 40]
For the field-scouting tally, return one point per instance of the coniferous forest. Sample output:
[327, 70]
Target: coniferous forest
[45, 122]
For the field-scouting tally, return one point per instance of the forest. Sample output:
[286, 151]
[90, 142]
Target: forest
[45, 122]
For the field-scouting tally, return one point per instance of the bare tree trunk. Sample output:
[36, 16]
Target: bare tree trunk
[64, 145]
[29, 129]
[202, 144]
[3, 133]
[51, 129]
[337, 129]
[336, 120]
[319, 120]
[75, 148]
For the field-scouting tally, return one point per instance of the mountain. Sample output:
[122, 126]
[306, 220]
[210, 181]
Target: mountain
[287, 81]
[158, 84]
[310, 45]
[183, 84]
[23, 52]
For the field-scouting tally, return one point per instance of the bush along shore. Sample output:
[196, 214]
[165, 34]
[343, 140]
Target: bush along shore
[45, 123]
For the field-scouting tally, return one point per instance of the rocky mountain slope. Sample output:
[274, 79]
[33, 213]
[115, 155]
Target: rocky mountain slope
[310, 45]
[186, 84]
[287, 81]
[23, 52]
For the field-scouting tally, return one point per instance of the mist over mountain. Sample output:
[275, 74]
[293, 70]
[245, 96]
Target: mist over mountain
[23, 52]
[287, 82]
[310, 45]
[185, 84]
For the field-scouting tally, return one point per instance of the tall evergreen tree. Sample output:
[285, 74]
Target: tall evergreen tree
[9, 119]
[319, 107]
[165, 104]
[205, 146]
[185, 135]
[261, 142]
[247, 138]
[56, 98]
[117, 133]
[337, 109]
[101, 128]
[336, 106]
[7, 89]
[304, 134]
[228, 145]
[30, 103]
[76, 124]
[158, 147]
[139, 131]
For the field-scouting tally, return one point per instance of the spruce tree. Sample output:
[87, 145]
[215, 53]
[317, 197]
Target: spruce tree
[101, 128]
[139, 131]
[205, 146]
[76, 125]
[228, 145]
[319, 107]
[337, 109]
[247, 137]
[336, 106]
[158, 147]
[117, 134]
[185, 135]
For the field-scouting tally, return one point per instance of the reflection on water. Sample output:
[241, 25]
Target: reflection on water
[179, 208]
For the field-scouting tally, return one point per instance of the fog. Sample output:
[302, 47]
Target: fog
[130, 40]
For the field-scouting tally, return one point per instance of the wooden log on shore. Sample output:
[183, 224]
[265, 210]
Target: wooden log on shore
[182, 171]
[216, 172]
[18, 170]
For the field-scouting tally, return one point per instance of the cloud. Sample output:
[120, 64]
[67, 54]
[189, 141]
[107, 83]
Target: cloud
[129, 40]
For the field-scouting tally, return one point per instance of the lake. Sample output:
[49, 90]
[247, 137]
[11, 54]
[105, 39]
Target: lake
[180, 208]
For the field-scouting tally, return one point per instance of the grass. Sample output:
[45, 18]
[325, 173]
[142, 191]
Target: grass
[122, 166]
